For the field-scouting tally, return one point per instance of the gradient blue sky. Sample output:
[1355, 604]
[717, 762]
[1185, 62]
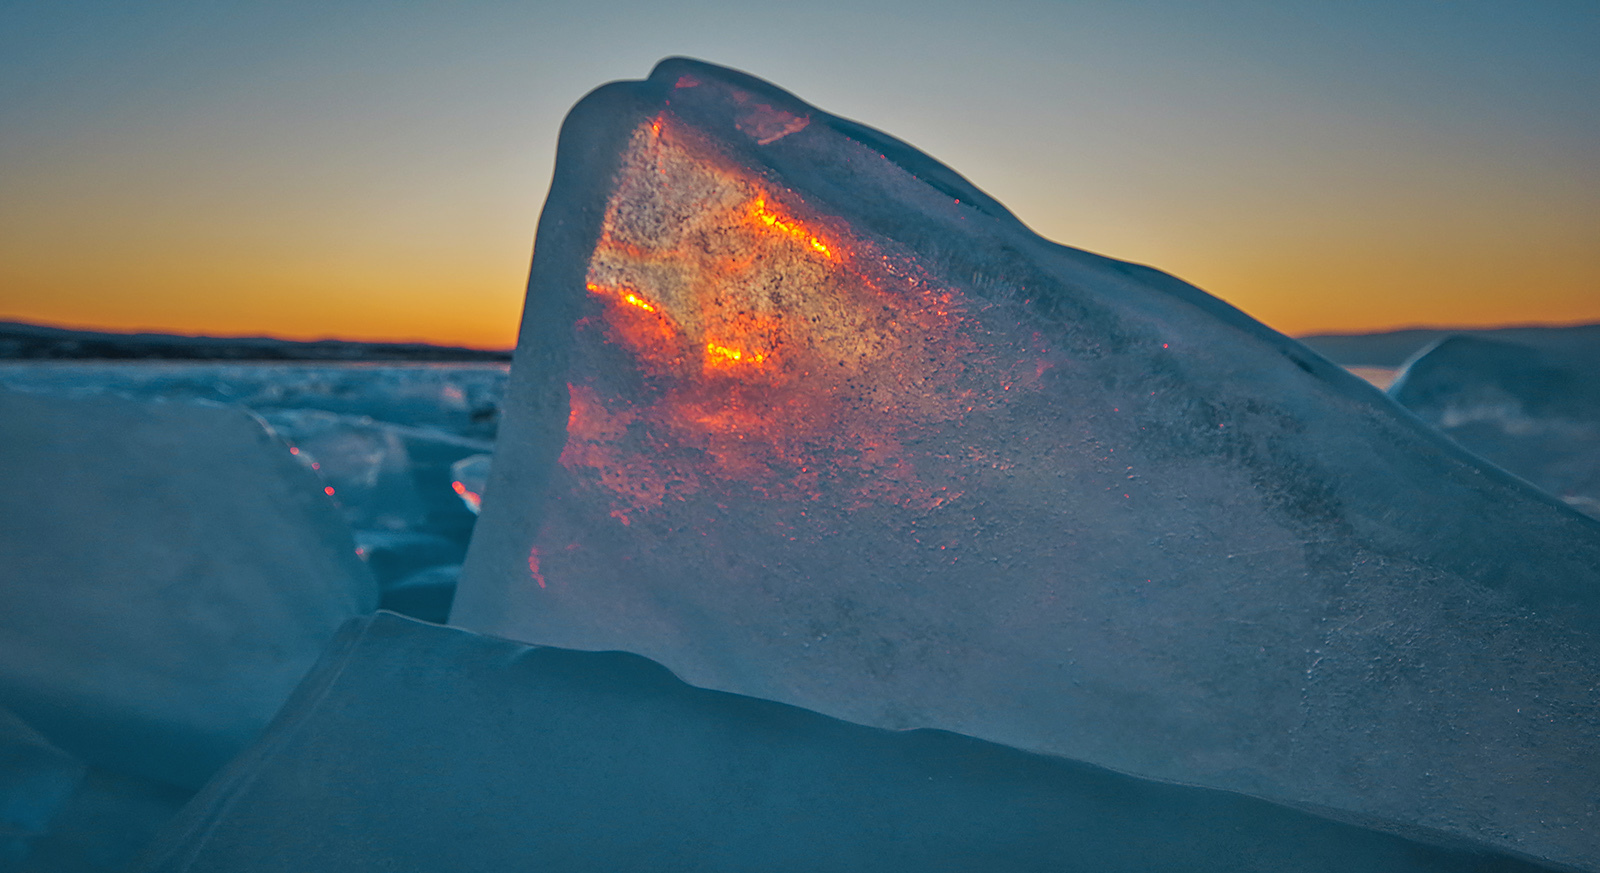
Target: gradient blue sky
[375, 170]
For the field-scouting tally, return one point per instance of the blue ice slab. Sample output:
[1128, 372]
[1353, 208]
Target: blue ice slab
[414, 747]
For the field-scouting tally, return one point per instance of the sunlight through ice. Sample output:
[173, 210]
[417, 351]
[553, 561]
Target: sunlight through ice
[801, 414]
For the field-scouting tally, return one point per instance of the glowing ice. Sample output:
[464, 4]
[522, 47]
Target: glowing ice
[801, 414]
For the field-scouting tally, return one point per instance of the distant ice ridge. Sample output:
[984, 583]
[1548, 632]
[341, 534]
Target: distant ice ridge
[421, 748]
[170, 573]
[1533, 411]
[458, 399]
[801, 414]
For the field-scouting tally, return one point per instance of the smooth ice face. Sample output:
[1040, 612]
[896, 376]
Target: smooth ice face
[801, 414]
[407, 736]
[169, 573]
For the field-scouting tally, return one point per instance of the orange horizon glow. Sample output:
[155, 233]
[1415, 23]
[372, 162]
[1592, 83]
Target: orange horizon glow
[99, 256]
[502, 335]
[134, 328]
[486, 340]
[473, 297]
[492, 322]
[178, 190]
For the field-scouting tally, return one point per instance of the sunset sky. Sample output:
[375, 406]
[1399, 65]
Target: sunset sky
[375, 170]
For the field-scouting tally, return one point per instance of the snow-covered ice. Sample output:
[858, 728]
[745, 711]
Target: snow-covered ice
[420, 748]
[801, 414]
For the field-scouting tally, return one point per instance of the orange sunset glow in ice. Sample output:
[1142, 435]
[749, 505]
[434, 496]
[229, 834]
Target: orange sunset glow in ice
[782, 353]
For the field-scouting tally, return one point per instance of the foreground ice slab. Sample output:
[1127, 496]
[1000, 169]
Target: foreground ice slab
[801, 414]
[419, 748]
[1533, 411]
[169, 573]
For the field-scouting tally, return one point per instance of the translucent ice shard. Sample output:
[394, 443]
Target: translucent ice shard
[467, 479]
[801, 414]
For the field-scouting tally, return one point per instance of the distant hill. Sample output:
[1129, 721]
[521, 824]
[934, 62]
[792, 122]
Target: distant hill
[20, 341]
[1396, 347]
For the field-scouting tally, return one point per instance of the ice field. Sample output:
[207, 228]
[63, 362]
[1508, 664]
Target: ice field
[827, 519]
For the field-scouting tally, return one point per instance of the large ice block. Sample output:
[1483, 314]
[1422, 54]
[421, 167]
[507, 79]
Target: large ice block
[169, 573]
[800, 413]
[413, 747]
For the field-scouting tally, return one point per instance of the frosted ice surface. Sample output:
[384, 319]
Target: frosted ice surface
[170, 572]
[1535, 412]
[801, 414]
[382, 436]
[420, 748]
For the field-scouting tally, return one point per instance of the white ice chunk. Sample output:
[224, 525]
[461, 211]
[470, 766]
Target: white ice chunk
[461, 399]
[384, 476]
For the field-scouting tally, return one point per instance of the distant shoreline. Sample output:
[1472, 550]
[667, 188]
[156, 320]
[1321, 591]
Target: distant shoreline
[21, 341]
[1395, 347]
[33, 342]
